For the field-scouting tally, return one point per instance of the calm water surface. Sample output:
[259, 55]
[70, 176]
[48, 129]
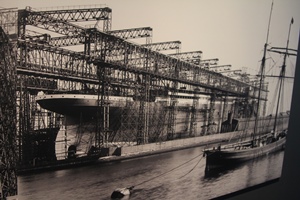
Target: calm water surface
[171, 178]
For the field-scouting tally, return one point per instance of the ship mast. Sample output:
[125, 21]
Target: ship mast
[262, 72]
[282, 76]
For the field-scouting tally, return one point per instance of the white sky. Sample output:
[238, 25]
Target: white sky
[232, 30]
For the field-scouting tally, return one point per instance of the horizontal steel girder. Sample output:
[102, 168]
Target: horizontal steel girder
[116, 53]
[161, 46]
[75, 15]
[132, 33]
[145, 62]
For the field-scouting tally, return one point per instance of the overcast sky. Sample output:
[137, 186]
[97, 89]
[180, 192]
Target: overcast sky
[232, 30]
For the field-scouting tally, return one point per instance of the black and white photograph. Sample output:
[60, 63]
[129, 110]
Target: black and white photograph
[131, 99]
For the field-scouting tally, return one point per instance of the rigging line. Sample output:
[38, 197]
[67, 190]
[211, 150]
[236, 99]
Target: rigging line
[162, 174]
[275, 95]
[291, 69]
[272, 65]
[191, 169]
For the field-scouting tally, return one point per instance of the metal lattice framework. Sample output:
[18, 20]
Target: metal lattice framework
[193, 57]
[8, 137]
[143, 32]
[65, 19]
[80, 39]
[208, 62]
[55, 62]
[118, 54]
[162, 46]
[143, 67]
[219, 67]
[104, 60]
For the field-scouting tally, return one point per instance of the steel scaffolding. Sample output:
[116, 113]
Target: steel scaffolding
[104, 63]
[8, 136]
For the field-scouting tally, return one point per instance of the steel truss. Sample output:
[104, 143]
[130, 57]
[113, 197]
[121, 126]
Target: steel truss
[66, 17]
[162, 46]
[132, 33]
[8, 137]
[121, 54]
[56, 62]
[208, 62]
[46, 60]
[43, 58]
[192, 57]
[104, 63]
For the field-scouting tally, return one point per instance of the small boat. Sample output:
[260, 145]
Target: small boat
[121, 192]
[227, 156]
[231, 155]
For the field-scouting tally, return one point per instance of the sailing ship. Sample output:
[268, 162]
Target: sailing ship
[224, 157]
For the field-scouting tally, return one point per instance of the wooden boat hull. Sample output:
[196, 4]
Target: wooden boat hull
[222, 159]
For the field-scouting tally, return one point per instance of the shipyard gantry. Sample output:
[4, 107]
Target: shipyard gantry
[74, 50]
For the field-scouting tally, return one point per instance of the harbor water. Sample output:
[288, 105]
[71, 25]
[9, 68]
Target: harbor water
[173, 175]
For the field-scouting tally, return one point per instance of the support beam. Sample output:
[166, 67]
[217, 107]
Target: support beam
[207, 62]
[216, 68]
[102, 124]
[115, 49]
[46, 22]
[192, 57]
[162, 46]
[64, 41]
[227, 71]
[66, 62]
[132, 33]
[8, 129]
[77, 15]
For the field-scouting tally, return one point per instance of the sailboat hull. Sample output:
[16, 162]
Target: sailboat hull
[222, 159]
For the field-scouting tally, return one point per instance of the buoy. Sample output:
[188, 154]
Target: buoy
[121, 192]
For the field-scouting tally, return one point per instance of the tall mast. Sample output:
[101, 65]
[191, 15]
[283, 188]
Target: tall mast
[281, 76]
[262, 72]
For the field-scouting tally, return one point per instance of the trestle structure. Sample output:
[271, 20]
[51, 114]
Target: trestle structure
[193, 57]
[133, 33]
[45, 58]
[163, 46]
[68, 56]
[8, 129]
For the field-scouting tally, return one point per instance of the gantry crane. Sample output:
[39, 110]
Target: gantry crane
[104, 59]
[44, 57]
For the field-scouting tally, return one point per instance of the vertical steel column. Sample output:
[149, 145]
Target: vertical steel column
[8, 137]
[211, 126]
[193, 123]
[107, 22]
[102, 124]
[171, 128]
[143, 125]
[195, 105]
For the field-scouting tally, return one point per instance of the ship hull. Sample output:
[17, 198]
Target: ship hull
[59, 164]
[79, 106]
[217, 159]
